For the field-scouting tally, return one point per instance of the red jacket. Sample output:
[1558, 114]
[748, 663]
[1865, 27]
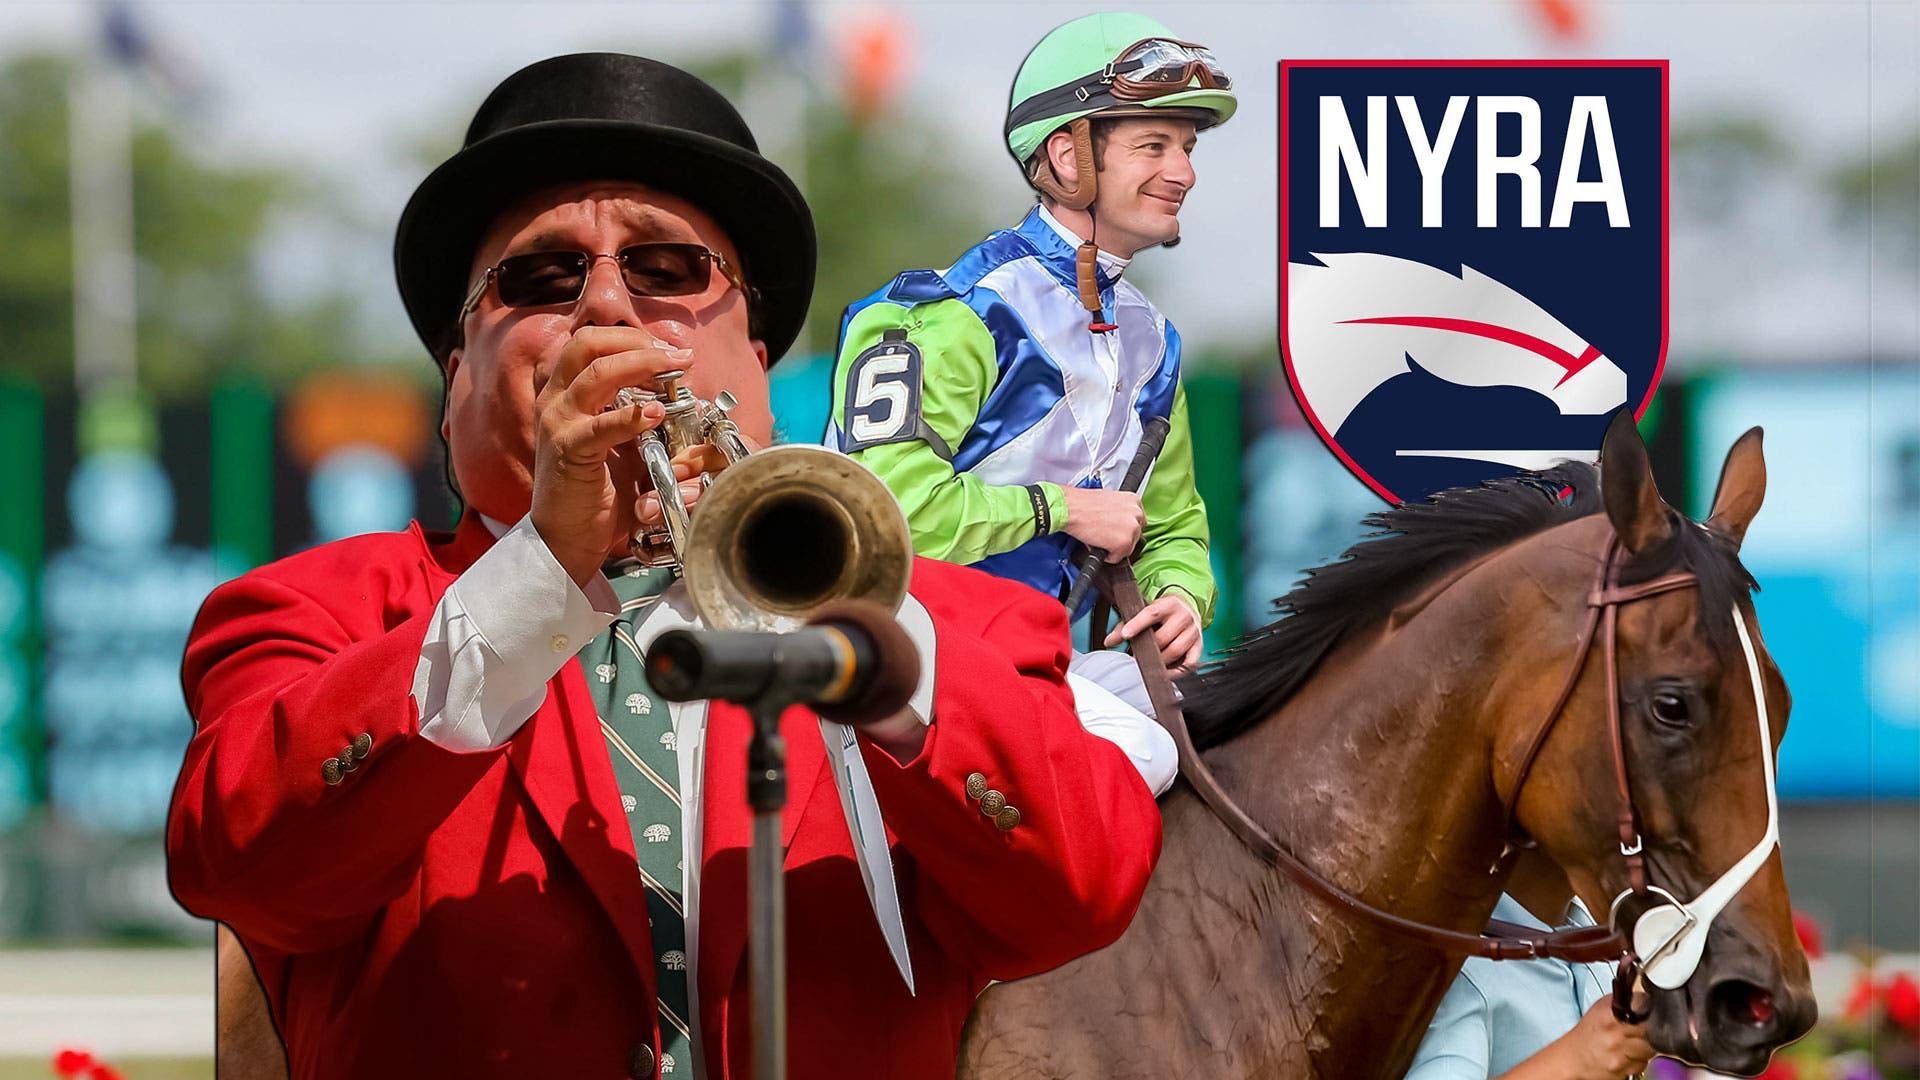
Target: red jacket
[479, 914]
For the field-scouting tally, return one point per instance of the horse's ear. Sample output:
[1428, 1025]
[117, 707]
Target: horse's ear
[1743, 483]
[1640, 517]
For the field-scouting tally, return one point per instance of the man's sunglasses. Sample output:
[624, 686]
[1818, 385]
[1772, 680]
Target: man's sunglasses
[550, 278]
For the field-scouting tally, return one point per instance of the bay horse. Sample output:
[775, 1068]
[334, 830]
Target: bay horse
[1381, 727]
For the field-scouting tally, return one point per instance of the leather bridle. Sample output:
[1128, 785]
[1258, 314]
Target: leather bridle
[1501, 940]
[1603, 616]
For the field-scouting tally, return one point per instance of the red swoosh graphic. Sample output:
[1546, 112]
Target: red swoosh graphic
[1503, 334]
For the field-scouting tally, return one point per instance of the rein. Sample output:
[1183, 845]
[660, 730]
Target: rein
[1500, 940]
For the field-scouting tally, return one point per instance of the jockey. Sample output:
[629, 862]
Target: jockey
[1002, 398]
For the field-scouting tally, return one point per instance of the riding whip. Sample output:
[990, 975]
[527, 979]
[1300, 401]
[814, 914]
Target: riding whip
[1152, 437]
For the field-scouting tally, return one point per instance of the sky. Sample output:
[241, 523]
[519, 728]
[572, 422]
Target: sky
[345, 88]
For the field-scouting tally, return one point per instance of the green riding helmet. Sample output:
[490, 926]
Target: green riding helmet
[1111, 62]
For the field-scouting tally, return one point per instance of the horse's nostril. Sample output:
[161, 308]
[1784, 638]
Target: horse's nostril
[1740, 1002]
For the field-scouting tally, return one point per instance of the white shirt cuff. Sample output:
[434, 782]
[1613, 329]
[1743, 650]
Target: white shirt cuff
[502, 630]
[913, 618]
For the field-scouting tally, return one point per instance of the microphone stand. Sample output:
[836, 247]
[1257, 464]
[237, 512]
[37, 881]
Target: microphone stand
[774, 676]
[764, 701]
[766, 889]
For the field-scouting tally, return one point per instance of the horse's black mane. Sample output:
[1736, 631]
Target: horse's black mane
[1411, 545]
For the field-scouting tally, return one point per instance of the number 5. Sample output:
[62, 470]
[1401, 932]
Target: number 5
[882, 395]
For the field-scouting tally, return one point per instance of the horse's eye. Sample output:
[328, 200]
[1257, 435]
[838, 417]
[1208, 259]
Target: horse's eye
[1670, 708]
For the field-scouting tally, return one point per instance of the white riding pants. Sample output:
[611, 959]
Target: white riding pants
[1113, 704]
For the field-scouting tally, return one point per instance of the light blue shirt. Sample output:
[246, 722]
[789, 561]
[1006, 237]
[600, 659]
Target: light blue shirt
[1498, 1014]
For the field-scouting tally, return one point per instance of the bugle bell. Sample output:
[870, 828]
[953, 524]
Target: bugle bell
[785, 530]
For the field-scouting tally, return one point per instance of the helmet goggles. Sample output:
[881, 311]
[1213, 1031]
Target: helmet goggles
[1149, 68]
[1156, 67]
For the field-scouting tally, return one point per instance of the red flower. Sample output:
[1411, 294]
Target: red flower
[1808, 931]
[1780, 1069]
[103, 1072]
[70, 1062]
[1861, 1001]
[1903, 1001]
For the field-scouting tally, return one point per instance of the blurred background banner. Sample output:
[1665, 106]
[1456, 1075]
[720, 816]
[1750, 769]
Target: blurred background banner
[1839, 564]
[204, 366]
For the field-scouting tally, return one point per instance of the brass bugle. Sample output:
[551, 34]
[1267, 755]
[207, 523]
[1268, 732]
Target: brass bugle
[689, 422]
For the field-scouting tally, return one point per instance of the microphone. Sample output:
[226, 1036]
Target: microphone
[852, 663]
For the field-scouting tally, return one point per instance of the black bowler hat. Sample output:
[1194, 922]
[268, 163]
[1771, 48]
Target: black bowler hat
[606, 116]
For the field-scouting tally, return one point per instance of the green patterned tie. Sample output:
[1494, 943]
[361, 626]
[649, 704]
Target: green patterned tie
[644, 746]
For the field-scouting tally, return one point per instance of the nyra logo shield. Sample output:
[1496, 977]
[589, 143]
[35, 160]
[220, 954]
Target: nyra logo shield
[1473, 271]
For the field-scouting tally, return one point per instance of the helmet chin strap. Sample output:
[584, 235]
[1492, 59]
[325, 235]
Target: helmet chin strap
[1086, 264]
[1670, 936]
[1086, 178]
[1086, 268]
[1080, 196]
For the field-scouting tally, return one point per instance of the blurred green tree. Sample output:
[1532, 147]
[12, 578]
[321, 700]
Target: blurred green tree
[200, 235]
[1720, 163]
[884, 194]
[885, 199]
[1879, 191]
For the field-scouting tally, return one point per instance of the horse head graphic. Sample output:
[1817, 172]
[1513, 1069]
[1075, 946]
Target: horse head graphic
[1354, 321]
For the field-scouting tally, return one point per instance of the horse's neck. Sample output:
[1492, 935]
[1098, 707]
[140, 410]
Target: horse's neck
[1376, 773]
